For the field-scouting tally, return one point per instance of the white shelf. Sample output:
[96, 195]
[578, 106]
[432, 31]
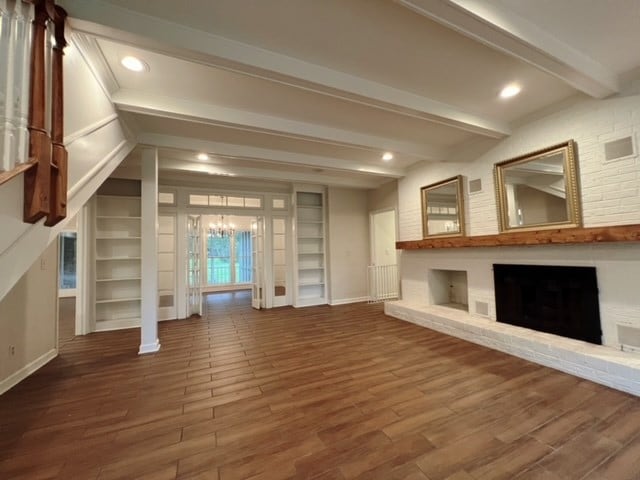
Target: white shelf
[111, 197]
[106, 259]
[310, 248]
[117, 287]
[124, 279]
[118, 238]
[119, 300]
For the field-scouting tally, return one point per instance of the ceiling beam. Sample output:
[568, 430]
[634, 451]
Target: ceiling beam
[228, 150]
[351, 181]
[118, 24]
[161, 106]
[514, 35]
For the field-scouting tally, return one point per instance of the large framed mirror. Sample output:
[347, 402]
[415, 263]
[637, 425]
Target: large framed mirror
[538, 190]
[443, 208]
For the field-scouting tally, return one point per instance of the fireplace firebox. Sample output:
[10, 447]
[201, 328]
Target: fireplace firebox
[553, 299]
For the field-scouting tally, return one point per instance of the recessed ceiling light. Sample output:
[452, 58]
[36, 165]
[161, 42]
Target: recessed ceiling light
[202, 156]
[387, 156]
[510, 90]
[134, 64]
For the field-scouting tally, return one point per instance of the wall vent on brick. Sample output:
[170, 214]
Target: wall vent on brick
[475, 185]
[629, 336]
[620, 148]
[482, 308]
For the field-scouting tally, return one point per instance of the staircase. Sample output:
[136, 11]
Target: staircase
[45, 175]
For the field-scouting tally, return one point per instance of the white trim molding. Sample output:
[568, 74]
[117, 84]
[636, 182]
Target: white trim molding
[149, 347]
[345, 301]
[16, 377]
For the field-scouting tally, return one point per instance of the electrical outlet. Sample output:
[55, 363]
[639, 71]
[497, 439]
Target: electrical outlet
[43, 264]
[12, 350]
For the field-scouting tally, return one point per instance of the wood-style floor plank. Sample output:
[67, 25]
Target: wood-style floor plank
[320, 393]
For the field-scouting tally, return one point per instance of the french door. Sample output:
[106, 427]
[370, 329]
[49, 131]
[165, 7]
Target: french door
[257, 245]
[194, 249]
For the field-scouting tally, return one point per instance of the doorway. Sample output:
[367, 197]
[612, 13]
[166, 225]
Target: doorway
[67, 285]
[228, 248]
[382, 272]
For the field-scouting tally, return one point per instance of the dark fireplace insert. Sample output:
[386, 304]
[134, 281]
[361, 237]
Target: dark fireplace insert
[552, 299]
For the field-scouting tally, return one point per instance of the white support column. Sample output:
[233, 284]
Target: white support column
[149, 342]
[84, 274]
[181, 261]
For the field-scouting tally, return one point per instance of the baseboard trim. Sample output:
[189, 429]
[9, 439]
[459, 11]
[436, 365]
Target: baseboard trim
[344, 301]
[149, 347]
[16, 377]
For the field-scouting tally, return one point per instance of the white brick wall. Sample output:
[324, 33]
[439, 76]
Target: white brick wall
[617, 270]
[610, 191]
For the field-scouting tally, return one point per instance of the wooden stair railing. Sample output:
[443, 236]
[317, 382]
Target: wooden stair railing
[45, 175]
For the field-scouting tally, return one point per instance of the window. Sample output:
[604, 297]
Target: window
[199, 200]
[224, 201]
[279, 203]
[67, 260]
[167, 198]
[229, 259]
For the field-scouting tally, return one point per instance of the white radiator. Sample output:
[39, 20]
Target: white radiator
[383, 282]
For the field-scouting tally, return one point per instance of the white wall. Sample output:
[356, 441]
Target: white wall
[28, 321]
[383, 197]
[610, 194]
[609, 191]
[348, 244]
[383, 236]
[96, 141]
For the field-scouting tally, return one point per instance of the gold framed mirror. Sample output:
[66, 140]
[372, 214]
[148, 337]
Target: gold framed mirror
[538, 190]
[443, 208]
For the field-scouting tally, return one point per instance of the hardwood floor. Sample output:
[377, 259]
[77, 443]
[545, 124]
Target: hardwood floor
[316, 393]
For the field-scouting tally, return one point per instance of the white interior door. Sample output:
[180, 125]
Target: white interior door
[383, 238]
[257, 245]
[194, 263]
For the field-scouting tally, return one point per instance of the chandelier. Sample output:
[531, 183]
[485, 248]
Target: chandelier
[221, 229]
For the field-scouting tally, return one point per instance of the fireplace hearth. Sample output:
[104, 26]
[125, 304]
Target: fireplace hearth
[553, 299]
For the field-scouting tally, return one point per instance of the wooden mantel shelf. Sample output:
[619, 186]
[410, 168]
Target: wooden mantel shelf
[558, 236]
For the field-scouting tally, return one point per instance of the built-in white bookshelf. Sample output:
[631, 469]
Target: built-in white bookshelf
[310, 249]
[118, 253]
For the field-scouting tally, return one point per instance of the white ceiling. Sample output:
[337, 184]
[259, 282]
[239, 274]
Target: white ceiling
[317, 91]
[607, 31]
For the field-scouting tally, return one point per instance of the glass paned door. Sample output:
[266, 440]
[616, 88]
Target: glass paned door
[280, 287]
[242, 251]
[257, 234]
[194, 291]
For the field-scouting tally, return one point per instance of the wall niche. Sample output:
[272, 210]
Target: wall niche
[448, 288]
